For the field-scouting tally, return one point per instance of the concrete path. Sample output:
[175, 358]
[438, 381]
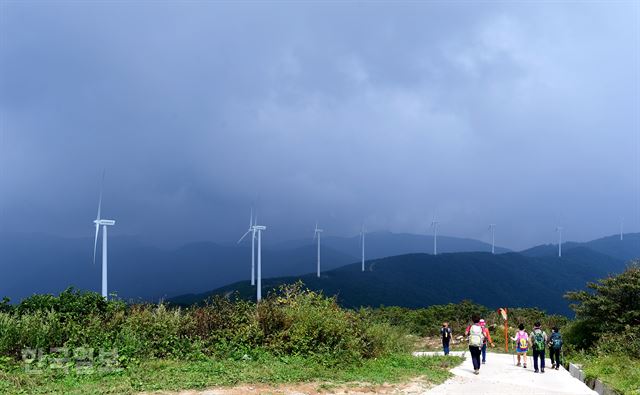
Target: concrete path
[500, 376]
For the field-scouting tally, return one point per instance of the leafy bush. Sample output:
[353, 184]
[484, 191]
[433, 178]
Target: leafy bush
[609, 313]
[5, 306]
[290, 322]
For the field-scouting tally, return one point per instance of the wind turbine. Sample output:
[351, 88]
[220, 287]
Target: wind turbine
[559, 230]
[492, 228]
[316, 234]
[362, 243]
[104, 223]
[434, 225]
[252, 230]
[258, 229]
[621, 228]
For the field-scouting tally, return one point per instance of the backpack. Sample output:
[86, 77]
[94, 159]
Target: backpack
[446, 333]
[476, 337]
[523, 341]
[538, 340]
[556, 341]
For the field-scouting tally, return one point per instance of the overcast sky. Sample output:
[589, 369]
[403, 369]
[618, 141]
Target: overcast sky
[526, 115]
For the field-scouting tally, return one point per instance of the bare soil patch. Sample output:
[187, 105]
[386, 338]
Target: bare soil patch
[414, 387]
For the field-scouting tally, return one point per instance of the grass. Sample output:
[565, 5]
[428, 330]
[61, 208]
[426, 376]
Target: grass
[620, 372]
[172, 375]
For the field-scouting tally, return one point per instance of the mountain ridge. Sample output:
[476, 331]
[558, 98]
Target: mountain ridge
[43, 263]
[419, 280]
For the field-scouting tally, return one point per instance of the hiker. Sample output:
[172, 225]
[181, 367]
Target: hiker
[487, 338]
[445, 333]
[476, 338]
[539, 340]
[522, 345]
[555, 347]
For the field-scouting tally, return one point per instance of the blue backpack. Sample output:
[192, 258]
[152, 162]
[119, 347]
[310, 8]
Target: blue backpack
[556, 340]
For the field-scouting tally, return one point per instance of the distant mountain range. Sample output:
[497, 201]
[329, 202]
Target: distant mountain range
[626, 249]
[44, 264]
[536, 277]
[40, 263]
[383, 244]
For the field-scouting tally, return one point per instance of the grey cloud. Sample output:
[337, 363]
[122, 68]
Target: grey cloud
[518, 114]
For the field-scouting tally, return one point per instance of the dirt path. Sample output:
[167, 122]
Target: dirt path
[500, 376]
[417, 386]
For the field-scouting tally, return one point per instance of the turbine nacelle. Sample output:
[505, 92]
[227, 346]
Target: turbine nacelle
[316, 232]
[104, 222]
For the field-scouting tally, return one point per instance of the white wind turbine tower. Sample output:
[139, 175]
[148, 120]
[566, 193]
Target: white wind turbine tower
[316, 234]
[362, 243]
[252, 230]
[621, 228]
[434, 225]
[559, 230]
[492, 228]
[258, 229]
[104, 223]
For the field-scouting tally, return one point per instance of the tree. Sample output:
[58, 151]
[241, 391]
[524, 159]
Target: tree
[5, 306]
[611, 306]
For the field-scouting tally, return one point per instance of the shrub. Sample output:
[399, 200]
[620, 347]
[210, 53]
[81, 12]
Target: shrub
[611, 308]
[5, 306]
[302, 322]
[292, 321]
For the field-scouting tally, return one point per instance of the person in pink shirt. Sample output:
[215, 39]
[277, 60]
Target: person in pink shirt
[522, 344]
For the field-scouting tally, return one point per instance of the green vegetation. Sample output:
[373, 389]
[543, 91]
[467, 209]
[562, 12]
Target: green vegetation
[605, 337]
[621, 372]
[293, 322]
[418, 280]
[293, 335]
[169, 374]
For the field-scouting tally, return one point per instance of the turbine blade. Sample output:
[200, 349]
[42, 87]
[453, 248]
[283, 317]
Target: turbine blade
[101, 190]
[243, 236]
[251, 218]
[95, 243]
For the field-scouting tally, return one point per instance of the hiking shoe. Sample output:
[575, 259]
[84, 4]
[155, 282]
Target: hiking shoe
[553, 366]
[483, 362]
[524, 366]
[519, 364]
[476, 371]
[557, 367]
[542, 371]
[535, 371]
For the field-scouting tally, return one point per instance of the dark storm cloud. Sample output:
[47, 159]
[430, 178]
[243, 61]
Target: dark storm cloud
[524, 115]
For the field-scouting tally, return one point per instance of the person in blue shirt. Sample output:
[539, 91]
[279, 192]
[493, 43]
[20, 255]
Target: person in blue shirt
[555, 348]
